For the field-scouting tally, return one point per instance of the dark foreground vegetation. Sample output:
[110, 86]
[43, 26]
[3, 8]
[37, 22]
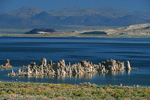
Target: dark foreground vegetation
[40, 91]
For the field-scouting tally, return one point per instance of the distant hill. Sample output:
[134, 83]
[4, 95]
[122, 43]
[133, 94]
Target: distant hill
[129, 20]
[25, 12]
[29, 17]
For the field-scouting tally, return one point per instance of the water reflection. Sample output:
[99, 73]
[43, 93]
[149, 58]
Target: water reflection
[128, 72]
[5, 69]
[79, 76]
[74, 76]
[114, 73]
[70, 76]
[85, 76]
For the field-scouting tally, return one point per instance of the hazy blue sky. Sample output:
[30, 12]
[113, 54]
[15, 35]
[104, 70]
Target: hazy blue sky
[8, 5]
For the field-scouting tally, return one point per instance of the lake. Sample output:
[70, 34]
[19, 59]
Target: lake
[23, 50]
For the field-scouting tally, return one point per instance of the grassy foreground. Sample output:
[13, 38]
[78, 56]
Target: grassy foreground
[40, 91]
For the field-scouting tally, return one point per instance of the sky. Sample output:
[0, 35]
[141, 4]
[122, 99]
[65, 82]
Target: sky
[47, 5]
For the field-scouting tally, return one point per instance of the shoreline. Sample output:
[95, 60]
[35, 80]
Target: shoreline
[76, 36]
[81, 84]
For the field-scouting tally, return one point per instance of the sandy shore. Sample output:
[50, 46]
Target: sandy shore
[70, 35]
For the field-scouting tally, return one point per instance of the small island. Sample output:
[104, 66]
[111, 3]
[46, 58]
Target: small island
[63, 69]
[40, 31]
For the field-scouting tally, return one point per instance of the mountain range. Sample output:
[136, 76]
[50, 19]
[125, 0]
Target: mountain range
[29, 17]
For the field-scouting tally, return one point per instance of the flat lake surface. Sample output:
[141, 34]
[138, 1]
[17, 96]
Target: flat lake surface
[23, 50]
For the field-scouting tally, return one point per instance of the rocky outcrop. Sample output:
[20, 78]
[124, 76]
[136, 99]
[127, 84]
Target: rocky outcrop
[63, 69]
[113, 65]
[7, 65]
[128, 67]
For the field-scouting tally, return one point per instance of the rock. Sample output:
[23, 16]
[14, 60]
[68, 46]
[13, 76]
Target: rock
[134, 69]
[12, 73]
[36, 72]
[112, 65]
[62, 63]
[128, 67]
[51, 72]
[137, 86]
[89, 84]
[70, 70]
[33, 63]
[19, 71]
[102, 69]
[120, 66]
[85, 64]
[63, 73]
[88, 67]
[51, 62]
[69, 64]
[7, 62]
[85, 83]
[29, 70]
[120, 84]
[43, 62]
[94, 84]
[7, 65]
[81, 84]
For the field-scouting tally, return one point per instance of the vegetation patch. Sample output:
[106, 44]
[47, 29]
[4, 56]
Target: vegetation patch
[95, 33]
[45, 91]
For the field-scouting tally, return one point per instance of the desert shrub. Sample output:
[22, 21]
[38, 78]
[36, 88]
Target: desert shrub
[57, 94]
[116, 95]
[2, 92]
[78, 93]
[10, 91]
[96, 93]
[8, 85]
[24, 91]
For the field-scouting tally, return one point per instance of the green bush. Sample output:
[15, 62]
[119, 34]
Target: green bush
[78, 93]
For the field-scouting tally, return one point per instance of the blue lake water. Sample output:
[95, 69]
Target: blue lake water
[23, 50]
